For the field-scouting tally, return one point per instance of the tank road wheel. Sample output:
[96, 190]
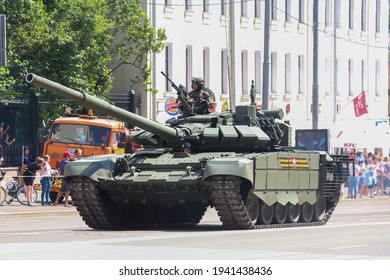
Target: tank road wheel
[266, 213]
[195, 212]
[280, 213]
[148, 213]
[177, 214]
[124, 217]
[192, 212]
[293, 213]
[319, 209]
[162, 215]
[252, 205]
[129, 216]
[307, 211]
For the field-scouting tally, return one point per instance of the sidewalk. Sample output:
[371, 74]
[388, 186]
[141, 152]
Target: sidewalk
[15, 208]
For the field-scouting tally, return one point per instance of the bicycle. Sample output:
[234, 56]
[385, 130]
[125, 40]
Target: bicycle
[13, 190]
[2, 191]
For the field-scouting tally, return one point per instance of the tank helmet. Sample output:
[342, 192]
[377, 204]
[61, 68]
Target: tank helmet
[187, 145]
[198, 81]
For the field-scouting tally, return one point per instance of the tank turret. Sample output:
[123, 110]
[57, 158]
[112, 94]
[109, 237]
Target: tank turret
[246, 129]
[239, 162]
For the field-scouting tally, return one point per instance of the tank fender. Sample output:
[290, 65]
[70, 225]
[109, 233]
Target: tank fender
[94, 167]
[240, 167]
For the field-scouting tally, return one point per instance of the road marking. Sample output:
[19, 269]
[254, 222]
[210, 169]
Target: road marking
[349, 247]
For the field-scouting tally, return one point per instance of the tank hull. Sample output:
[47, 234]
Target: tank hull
[256, 190]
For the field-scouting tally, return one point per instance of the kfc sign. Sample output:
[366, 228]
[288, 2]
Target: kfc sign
[349, 145]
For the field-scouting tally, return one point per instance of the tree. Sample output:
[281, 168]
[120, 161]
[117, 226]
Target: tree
[74, 42]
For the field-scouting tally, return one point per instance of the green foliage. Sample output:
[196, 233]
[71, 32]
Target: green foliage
[77, 43]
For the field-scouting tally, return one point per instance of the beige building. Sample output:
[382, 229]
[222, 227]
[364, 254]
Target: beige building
[352, 58]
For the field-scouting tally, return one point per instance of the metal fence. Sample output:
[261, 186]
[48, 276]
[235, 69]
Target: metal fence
[13, 154]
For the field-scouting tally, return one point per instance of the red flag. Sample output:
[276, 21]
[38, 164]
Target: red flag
[359, 104]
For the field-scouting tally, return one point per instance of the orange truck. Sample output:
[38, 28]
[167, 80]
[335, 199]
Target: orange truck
[93, 135]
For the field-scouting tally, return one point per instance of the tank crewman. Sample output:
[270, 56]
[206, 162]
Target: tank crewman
[199, 97]
[187, 148]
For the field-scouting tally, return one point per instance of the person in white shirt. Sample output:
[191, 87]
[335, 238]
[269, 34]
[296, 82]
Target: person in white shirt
[45, 181]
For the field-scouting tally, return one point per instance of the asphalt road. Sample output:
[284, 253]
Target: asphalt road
[358, 230]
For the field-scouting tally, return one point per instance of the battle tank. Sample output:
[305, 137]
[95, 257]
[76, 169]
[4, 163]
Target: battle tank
[240, 163]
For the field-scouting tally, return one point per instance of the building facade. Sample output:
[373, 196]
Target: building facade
[352, 59]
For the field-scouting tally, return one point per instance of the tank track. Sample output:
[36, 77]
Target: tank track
[97, 212]
[226, 198]
[96, 209]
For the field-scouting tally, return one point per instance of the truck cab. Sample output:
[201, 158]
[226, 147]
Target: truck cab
[91, 134]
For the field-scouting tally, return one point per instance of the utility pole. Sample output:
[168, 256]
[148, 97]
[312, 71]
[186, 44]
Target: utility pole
[266, 61]
[232, 58]
[3, 39]
[315, 65]
[335, 12]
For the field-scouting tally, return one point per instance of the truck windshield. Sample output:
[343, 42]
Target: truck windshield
[80, 134]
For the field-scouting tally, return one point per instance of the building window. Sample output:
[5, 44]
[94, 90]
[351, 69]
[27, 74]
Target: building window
[244, 69]
[301, 11]
[224, 7]
[274, 10]
[328, 73]
[287, 74]
[301, 74]
[244, 8]
[168, 66]
[328, 12]
[288, 11]
[188, 66]
[206, 6]
[337, 19]
[377, 78]
[257, 8]
[351, 13]
[350, 77]
[188, 5]
[378, 16]
[168, 3]
[363, 75]
[258, 72]
[206, 66]
[224, 72]
[274, 72]
[364, 15]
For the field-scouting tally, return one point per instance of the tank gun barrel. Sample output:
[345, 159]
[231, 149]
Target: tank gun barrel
[168, 133]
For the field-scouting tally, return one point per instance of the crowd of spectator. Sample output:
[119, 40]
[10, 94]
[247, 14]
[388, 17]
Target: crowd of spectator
[369, 176]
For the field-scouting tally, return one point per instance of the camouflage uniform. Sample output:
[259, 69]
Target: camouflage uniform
[202, 101]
